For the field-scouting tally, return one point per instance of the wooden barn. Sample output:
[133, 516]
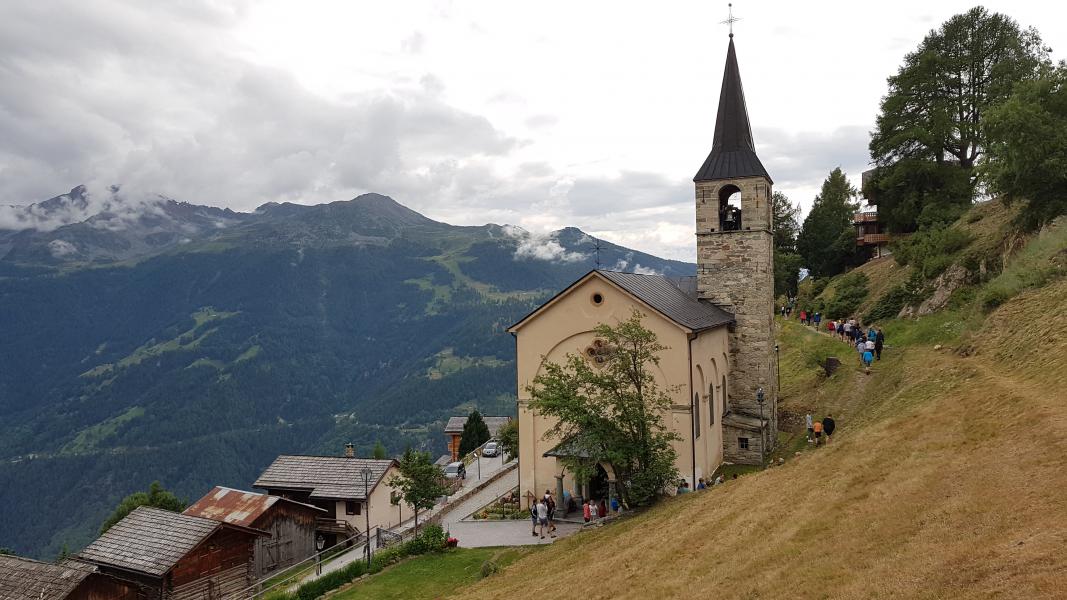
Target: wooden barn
[291, 524]
[25, 579]
[171, 556]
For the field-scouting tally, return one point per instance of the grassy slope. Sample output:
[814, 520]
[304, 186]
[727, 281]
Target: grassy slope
[429, 576]
[946, 480]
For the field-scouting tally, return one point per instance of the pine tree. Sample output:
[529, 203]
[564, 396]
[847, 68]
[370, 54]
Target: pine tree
[156, 497]
[827, 240]
[379, 452]
[475, 433]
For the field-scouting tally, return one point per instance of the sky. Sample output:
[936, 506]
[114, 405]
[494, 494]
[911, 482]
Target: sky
[587, 114]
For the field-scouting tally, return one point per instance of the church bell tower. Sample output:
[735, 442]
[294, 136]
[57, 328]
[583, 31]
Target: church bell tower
[735, 269]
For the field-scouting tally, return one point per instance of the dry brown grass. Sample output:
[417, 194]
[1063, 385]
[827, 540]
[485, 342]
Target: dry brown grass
[948, 480]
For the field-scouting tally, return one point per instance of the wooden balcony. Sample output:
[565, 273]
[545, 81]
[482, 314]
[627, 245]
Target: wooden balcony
[338, 526]
[871, 239]
[865, 217]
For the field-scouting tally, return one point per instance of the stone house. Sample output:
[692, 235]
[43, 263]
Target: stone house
[335, 484]
[291, 524]
[167, 555]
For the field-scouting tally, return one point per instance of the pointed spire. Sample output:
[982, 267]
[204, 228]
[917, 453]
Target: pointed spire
[733, 153]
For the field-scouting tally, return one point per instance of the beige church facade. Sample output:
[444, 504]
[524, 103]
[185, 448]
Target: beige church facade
[720, 362]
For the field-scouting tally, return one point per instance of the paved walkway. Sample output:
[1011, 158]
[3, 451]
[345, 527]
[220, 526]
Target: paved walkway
[476, 534]
[462, 498]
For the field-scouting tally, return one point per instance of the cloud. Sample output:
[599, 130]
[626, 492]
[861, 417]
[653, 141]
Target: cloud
[532, 246]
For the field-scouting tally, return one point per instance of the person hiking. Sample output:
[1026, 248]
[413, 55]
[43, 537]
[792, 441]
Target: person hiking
[550, 502]
[868, 358]
[871, 333]
[841, 329]
[808, 421]
[828, 426]
[817, 428]
[701, 485]
[817, 319]
[533, 518]
[542, 516]
[803, 316]
[587, 510]
[879, 341]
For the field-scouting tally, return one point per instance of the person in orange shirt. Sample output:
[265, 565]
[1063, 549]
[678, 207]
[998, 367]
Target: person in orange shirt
[817, 427]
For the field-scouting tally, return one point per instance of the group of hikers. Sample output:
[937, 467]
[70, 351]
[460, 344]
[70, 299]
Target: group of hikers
[818, 429]
[868, 343]
[683, 485]
[543, 512]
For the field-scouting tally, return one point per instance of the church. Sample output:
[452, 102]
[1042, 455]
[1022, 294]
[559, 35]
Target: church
[720, 361]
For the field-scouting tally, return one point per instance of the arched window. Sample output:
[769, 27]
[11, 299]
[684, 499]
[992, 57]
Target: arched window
[729, 208]
[725, 398]
[711, 403]
[696, 415]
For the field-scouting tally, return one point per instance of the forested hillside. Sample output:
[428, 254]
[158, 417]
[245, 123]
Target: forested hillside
[198, 358]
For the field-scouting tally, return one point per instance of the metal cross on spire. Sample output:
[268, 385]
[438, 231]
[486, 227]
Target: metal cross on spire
[731, 19]
[597, 247]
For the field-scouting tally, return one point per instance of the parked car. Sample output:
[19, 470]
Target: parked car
[491, 449]
[456, 470]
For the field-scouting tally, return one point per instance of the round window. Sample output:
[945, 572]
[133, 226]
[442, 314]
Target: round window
[598, 298]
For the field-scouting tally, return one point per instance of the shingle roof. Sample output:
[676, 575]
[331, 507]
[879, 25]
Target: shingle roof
[149, 540]
[675, 300]
[237, 507]
[455, 424]
[336, 477]
[25, 579]
[733, 153]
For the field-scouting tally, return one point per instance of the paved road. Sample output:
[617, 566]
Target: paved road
[476, 534]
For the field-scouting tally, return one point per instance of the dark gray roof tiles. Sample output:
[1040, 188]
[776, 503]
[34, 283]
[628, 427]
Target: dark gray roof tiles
[149, 540]
[334, 477]
[455, 424]
[25, 579]
[674, 299]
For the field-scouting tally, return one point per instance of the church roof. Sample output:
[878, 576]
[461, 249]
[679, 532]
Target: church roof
[733, 153]
[674, 298]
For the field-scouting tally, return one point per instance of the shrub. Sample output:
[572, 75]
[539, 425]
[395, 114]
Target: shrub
[849, 292]
[488, 568]
[994, 297]
[931, 251]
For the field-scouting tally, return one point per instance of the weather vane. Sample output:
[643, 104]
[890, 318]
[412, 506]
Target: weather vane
[731, 19]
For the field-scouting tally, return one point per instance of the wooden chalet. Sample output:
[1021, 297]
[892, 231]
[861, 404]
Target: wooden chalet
[171, 556]
[454, 431]
[291, 524]
[25, 579]
[335, 484]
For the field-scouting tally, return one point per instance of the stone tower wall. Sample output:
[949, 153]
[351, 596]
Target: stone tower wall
[735, 270]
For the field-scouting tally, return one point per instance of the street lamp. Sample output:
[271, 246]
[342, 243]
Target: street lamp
[763, 430]
[478, 459]
[366, 473]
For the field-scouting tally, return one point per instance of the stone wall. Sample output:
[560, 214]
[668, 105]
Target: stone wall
[735, 270]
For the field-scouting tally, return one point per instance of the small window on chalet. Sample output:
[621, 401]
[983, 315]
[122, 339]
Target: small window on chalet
[352, 507]
[742, 443]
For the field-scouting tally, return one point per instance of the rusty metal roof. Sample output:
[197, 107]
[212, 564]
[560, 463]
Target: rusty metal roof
[326, 477]
[25, 579]
[455, 424]
[238, 507]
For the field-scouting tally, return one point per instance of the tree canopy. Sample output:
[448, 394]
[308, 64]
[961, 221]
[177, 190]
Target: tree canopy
[475, 433]
[827, 239]
[612, 411]
[379, 452]
[509, 438]
[1028, 148]
[419, 481]
[156, 497]
[787, 262]
[930, 132]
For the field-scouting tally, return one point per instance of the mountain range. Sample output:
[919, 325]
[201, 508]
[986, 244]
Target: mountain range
[161, 340]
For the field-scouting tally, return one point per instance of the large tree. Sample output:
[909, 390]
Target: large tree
[1028, 148]
[827, 240]
[509, 438]
[419, 481]
[938, 98]
[612, 410]
[475, 433]
[156, 497]
[787, 262]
